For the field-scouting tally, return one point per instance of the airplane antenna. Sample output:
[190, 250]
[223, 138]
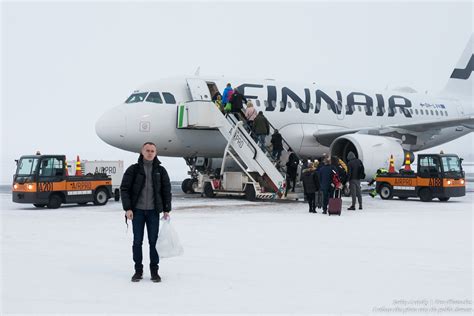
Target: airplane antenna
[198, 70]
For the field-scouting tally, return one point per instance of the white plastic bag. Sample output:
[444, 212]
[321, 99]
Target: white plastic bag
[168, 242]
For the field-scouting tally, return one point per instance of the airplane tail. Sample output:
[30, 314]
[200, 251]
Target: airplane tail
[460, 84]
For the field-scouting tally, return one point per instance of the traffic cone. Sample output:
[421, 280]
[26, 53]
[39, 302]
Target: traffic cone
[65, 166]
[78, 167]
[407, 162]
[391, 168]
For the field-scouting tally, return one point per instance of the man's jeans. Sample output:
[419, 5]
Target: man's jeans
[354, 185]
[152, 220]
[261, 141]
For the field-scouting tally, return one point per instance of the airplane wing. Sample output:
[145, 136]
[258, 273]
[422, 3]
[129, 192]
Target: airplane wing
[326, 137]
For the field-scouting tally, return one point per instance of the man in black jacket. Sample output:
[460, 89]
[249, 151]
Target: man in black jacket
[237, 100]
[146, 192]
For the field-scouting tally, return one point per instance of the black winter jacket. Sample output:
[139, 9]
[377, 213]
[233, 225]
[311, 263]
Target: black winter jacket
[277, 141]
[133, 182]
[310, 181]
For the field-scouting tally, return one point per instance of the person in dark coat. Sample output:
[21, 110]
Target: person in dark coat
[277, 144]
[237, 100]
[291, 170]
[354, 176]
[311, 186]
[326, 173]
[146, 192]
[261, 128]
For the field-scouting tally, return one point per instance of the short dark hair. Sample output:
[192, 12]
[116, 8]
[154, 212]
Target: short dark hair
[148, 143]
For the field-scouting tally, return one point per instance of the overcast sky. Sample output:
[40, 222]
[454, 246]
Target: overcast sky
[64, 64]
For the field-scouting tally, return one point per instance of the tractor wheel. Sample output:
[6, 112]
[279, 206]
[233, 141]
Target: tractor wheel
[100, 197]
[55, 201]
[425, 195]
[386, 192]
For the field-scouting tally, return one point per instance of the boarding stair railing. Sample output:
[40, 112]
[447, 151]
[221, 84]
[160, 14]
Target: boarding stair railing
[240, 144]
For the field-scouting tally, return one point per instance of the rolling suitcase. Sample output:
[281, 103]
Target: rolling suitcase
[335, 204]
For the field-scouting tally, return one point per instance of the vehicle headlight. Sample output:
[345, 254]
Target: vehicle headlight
[449, 182]
[30, 187]
[462, 181]
[15, 186]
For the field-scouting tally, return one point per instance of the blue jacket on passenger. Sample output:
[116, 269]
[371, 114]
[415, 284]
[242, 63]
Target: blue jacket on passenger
[225, 95]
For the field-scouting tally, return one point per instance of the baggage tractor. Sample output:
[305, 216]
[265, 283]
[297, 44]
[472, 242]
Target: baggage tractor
[335, 204]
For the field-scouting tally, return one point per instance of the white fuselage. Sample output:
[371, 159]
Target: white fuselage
[128, 126]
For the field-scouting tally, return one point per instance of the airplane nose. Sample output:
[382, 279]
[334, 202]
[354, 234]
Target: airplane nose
[112, 126]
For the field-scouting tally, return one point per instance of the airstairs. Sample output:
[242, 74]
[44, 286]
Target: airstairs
[260, 176]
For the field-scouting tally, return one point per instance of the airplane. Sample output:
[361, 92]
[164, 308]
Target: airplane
[313, 119]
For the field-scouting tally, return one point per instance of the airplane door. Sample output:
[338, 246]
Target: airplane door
[198, 89]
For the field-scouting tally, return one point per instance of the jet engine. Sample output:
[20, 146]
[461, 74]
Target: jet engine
[374, 151]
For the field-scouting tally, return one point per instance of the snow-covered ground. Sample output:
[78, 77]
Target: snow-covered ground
[242, 257]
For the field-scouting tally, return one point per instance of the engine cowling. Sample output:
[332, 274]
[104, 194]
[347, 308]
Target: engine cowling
[374, 151]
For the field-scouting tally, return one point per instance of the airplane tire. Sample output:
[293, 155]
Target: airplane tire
[54, 201]
[444, 199]
[425, 195]
[185, 185]
[100, 197]
[250, 194]
[208, 190]
[386, 192]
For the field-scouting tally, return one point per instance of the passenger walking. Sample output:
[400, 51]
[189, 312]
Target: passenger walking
[356, 173]
[291, 170]
[311, 186]
[237, 100]
[277, 144]
[326, 174]
[218, 103]
[341, 172]
[250, 114]
[146, 192]
[225, 93]
[261, 127]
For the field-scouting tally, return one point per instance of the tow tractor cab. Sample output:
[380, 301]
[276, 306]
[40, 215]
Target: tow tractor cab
[42, 180]
[438, 176]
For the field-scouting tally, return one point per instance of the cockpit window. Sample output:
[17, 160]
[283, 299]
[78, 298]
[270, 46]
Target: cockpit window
[169, 98]
[154, 97]
[136, 97]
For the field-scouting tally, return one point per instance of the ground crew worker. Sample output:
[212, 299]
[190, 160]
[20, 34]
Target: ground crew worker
[379, 172]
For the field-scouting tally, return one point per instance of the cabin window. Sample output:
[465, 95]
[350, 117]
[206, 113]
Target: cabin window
[154, 97]
[289, 105]
[318, 106]
[436, 111]
[257, 102]
[416, 111]
[169, 98]
[446, 112]
[411, 111]
[51, 167]
[311, 106]
[359, 108]
[431, 112]
[265, 102]
[136, 97]
[297, 105]
[282, 105]
[441, 112]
